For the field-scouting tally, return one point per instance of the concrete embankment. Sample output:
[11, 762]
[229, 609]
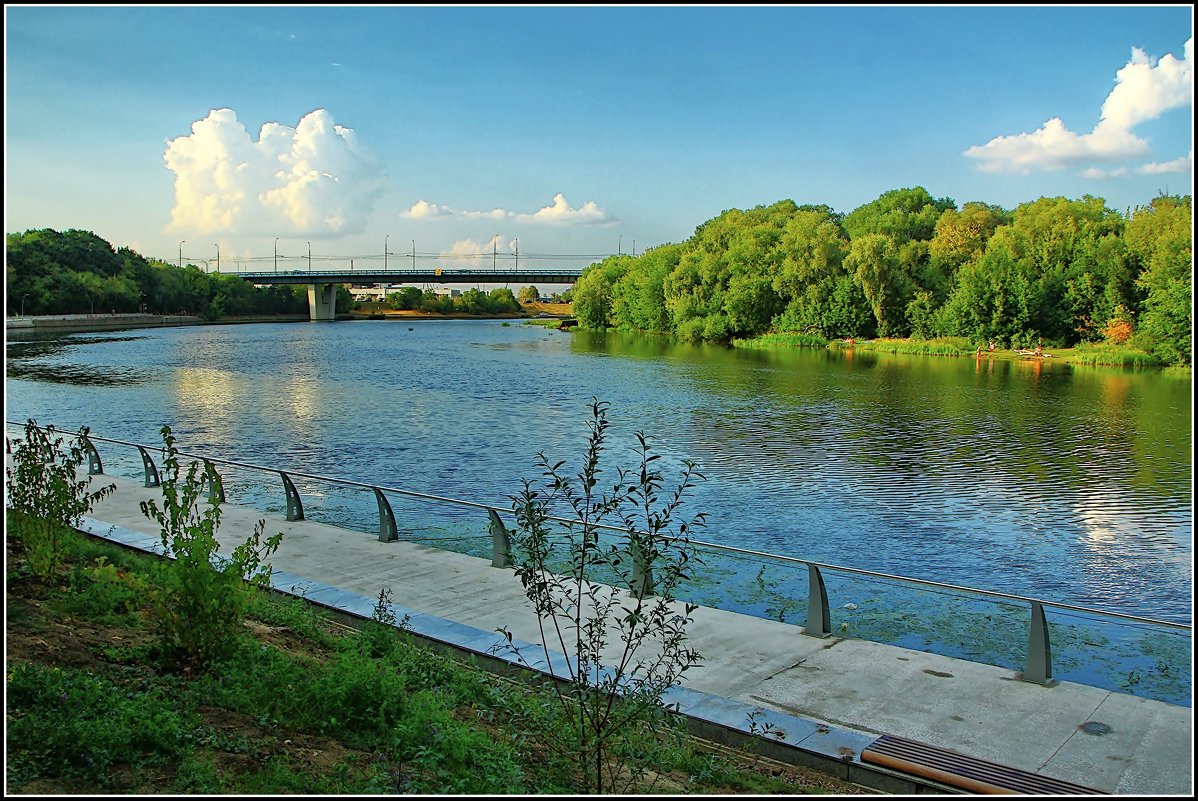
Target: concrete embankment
[72, 323]
[826, 699]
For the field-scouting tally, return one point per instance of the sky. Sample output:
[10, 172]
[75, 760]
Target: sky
[464, 135]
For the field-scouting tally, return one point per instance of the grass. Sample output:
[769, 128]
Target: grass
[304, 704]
[1097, 354]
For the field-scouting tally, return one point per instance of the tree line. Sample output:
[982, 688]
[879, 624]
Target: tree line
[77, 272]
[1054, 271]
[472, 301]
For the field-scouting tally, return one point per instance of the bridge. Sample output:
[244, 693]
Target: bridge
[322, 292]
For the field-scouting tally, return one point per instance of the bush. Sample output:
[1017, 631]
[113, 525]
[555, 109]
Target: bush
[611, 711]
[205, 596]
[47, 495]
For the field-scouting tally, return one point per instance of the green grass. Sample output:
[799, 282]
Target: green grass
[302, 705]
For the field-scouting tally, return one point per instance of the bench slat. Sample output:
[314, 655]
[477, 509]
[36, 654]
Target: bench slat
[960, 770]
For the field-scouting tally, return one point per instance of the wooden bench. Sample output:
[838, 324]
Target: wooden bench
[966, 772]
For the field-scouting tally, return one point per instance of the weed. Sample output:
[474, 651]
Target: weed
[623, 649]
[47, 495]
[203, 603]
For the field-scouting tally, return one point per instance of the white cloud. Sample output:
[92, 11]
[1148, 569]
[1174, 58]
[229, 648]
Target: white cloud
[479, 255]
[1098, 172]
[1144, 90]
[1183, 164]
[560, 211]
[314, 179]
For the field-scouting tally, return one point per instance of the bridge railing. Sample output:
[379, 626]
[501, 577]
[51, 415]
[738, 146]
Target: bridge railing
[1036, 657]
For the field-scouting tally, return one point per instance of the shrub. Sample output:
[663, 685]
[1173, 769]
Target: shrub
[612, 714]
[47, 494]
[205, 596]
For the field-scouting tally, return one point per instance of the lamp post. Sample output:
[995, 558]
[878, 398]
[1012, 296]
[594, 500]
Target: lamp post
[620, 246]
[276, 254]
[517, 257]
[494, 251]
[388, 236]
[309, 257]
[413, 255]
[218, 257]
[634, 248]
[181, 243]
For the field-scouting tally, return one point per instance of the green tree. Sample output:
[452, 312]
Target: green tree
[1160, 238]
[874, 262]
[501, 301]
[527, 294]
[638, 298]
[901, 214]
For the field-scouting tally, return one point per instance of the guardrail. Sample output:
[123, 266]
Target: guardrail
[1038, 656]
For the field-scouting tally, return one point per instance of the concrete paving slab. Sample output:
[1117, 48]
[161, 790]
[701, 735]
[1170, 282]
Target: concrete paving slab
[826, 694]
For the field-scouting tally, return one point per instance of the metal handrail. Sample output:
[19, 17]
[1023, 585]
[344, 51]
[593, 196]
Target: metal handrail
[1038, 664]
[697, 543]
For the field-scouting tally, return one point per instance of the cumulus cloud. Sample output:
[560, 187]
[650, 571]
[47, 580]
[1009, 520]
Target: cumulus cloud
[1183, 164]
[1144, 89]
[314, 179]
[471, 253]
[559, 211]
[1098, 172]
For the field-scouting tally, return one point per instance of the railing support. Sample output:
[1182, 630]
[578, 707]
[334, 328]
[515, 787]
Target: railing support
[152, 479]
[387, 530]
[501, 545]
[216, 489]
[818, 620]
[94, 465]
[295, 507]
[1039, 649]
[642, 572]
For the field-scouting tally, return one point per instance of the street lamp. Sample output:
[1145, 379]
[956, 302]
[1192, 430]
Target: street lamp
[413, 254]
[388, 236]
[181, 243]
[276, 254]
[309, 257]
[494, 251]
[517, 257]
[218, 257]
[620, 246]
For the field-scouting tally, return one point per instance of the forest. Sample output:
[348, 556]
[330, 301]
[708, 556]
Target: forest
[77, 272]
[1054, 271]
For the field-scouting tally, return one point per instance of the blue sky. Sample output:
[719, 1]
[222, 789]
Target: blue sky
[570, 130]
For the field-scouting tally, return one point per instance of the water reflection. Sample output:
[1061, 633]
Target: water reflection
[1070, 484]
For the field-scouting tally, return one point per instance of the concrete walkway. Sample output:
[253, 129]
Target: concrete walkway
[832, 697]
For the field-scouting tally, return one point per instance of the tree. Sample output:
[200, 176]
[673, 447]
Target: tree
[623, 648]
[874, 262]
[901, 214]
[1160, 237]
[527, 294]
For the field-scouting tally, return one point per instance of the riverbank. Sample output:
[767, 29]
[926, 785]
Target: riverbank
[1099, 354]
[76, 323]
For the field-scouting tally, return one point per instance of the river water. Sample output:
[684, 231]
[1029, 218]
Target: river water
[1065, 484]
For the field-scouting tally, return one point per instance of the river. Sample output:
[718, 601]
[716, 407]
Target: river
[1066, 484]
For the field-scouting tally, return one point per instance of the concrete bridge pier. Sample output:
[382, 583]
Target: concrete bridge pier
[322, 301]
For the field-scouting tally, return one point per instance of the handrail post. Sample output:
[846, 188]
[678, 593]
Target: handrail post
[501, 546]
[216, 489]
[387, 531]
[1039, 649]
[295, 507]
[818, 618]
[152, 479]
[94, 465]
[642, 571]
